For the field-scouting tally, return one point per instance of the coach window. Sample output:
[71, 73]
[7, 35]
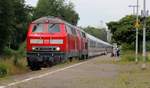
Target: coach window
[92, 43]
[53, 28]
[99, 45]
[83, 34]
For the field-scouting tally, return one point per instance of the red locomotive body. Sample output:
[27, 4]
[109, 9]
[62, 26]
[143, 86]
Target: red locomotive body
[51, 40]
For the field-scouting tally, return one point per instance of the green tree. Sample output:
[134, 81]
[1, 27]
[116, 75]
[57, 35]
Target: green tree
[68, 13]
[56, 8]
[6, 14]
[124, 30]
[14, 19]
[22, 16]
[97, 32]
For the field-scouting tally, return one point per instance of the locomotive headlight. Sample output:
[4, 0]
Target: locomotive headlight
[36, 41]
[58, 48]
[56, 41]
[33, 48]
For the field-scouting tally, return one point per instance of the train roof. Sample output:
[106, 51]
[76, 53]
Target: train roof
[97, 40]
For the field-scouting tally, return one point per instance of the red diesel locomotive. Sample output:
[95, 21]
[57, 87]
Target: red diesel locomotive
[52, 40]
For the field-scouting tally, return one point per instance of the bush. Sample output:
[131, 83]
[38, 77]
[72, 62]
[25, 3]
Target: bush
[22, 50]
[3, 70]
[148, 46]
[8, 52]
[127, 47]
[128, 56]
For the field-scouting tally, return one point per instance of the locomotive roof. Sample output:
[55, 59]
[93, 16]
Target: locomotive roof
[50, 19]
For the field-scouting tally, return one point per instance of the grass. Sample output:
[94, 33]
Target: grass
[13, 62]
[8, 67]
[131, 74]
[129, 56]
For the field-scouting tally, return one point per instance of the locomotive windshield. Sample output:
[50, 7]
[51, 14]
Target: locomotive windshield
[52, 28]
[38, 28]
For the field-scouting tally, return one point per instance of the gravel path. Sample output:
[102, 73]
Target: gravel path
[98, 72]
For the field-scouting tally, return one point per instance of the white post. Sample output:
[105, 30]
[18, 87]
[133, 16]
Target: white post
[144, 35]
[137, 19]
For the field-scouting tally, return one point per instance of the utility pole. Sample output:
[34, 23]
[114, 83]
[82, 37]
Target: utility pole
[137, 22]
[134, 7]
[144, 14]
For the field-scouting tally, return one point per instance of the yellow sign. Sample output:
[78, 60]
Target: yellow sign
[137, 25]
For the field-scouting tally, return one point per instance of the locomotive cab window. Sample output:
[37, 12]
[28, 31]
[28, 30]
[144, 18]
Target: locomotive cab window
[38, 28]
[52, 28]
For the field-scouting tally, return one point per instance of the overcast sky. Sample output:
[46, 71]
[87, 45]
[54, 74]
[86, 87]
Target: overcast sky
[99, 12]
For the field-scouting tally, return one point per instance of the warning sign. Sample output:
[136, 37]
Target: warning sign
[137, 24]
